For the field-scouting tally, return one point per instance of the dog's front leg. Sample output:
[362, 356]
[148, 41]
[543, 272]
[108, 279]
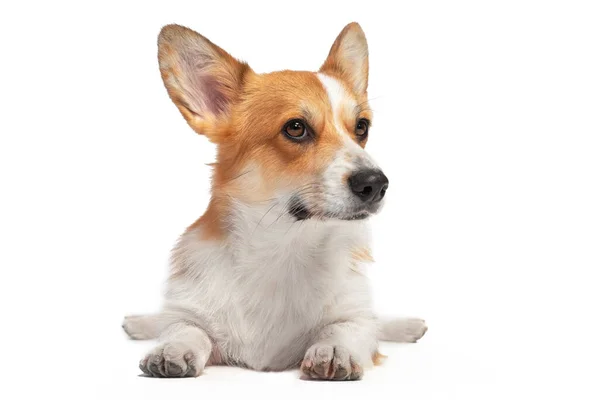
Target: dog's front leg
[183, 351]
[341, 351]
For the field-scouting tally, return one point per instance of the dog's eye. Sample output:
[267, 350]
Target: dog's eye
[295, 129]
[362, 128]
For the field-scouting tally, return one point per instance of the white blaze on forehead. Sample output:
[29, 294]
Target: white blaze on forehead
[339, 99]
[342, 103]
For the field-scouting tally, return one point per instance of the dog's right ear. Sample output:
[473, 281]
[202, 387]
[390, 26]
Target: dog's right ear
[202, 79]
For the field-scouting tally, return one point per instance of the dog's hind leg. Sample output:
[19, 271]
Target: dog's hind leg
[402, 330]
[145, 327]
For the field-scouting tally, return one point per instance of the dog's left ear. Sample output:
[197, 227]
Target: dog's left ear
[349, 58]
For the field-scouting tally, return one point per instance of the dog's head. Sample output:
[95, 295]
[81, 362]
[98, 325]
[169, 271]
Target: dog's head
[292, 137]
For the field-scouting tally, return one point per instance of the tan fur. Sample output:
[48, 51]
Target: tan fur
[362, 254]
[378, 358]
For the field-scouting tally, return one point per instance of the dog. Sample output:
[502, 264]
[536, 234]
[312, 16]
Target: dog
[271, 276]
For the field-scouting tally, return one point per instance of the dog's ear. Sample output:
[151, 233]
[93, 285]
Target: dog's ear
[349, 58]
[202, 79]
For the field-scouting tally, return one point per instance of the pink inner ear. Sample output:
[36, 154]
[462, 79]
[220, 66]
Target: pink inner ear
[216, 102]
[205, 93]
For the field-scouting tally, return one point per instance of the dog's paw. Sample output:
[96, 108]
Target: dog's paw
[327, 362]
[171, 360]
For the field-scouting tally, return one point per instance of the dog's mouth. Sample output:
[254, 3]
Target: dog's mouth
[301, 213]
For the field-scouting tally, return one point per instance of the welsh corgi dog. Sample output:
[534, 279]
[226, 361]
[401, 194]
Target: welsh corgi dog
[272, 276]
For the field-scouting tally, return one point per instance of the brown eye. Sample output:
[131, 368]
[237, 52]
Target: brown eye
[295, 129]
[362, 128]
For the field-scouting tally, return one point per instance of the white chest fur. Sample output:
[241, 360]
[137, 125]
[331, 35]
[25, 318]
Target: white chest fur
[263, 291]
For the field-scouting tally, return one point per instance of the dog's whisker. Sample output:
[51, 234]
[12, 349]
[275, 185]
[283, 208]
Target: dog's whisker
[263, 217]
[239, 176]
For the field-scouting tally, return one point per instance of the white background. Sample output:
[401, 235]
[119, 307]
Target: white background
[487, 122]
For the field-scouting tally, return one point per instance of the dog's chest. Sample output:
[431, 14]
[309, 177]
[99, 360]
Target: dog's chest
[264, 294]
[285, 289]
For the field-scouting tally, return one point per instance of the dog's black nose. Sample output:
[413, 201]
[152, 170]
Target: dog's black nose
[369, 185]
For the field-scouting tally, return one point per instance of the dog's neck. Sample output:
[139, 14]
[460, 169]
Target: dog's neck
[256, 230]
[271, 223]
[253, 237]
